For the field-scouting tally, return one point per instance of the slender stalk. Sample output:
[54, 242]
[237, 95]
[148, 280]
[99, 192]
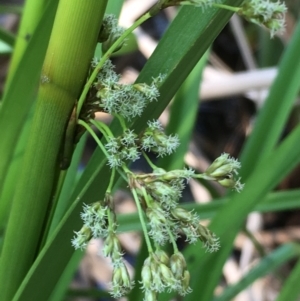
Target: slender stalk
[228, 7]
[111, 181]
[97, 140]
[203, 176]
[103, 128]
[259, 248]
[121, 120]
[146, 197]
[217, 5]
[144, 227]
[152, 165]
[173, 241]
[69, 53]
[110, 214]
[122, 175]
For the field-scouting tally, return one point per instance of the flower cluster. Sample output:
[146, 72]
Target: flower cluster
[160, 193]
[110, 96]
[121, 283]
[265, 12]
[154, 139]
[163, 273]
[224, 170]
[129, 146]
[122, 148]
[128, 101]
[110, 32]
[99, 222]
[94, 218]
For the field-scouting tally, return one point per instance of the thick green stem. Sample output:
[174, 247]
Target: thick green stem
[70, 50]
[32, 196]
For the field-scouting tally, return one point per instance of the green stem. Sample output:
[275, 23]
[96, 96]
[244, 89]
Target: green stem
[152, 165]
[103, 128]
[121, 173]
[110, 218]
[141, 217]
[121, 120]
[111, 181]
[146, 196]
[105, 57]
[90, 130]
[111, 215]
[228, 7]
[175, 248]
[148, 202]
[127, 170]
[256, 243]
[204, 177]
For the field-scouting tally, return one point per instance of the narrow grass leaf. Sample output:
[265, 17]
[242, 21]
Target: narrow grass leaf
[89, 293]
[11, 9]
[7, 37]
[267, 265]
[65, 279]
[291, 289]
[273, 116]
[7, 193]
[64, 201]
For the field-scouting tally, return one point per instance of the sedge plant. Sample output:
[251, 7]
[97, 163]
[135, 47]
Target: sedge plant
[73, 86]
